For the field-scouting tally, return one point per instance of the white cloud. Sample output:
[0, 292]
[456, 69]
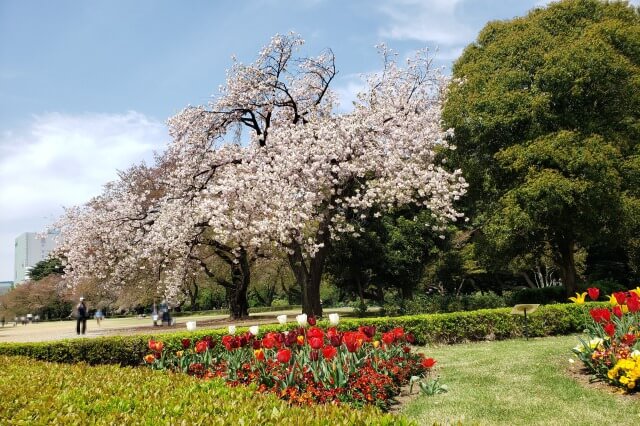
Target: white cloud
[432, 21]
[64, 160]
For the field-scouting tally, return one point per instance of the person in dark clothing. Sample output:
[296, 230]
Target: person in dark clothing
[82, 316]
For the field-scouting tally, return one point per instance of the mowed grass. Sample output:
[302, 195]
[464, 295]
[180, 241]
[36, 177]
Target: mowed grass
[518, 382]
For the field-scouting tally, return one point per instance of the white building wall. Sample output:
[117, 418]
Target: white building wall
[31, 248]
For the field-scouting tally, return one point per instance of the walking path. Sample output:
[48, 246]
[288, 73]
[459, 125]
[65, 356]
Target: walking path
[56, 330]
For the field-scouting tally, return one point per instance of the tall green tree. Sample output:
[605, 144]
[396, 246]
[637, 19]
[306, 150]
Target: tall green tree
[546, 112]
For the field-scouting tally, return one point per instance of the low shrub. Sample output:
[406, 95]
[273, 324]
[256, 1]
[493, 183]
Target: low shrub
[429, 328]
[107, 395]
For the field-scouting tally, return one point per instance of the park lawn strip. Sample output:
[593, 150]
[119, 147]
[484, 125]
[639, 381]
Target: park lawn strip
[42, 393]
[519, 382]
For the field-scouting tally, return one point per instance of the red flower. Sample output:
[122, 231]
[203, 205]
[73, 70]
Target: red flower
[594, 293]
[283, 355]
[156, 346]
[332, 331]
[311, 320]
[316, 342]
[335, 341]
[328, 352]
[633, 303]
[620, 296]
[228, 342]
[256, 344]
[314, 355]
[617, 310]
[629, 339]
[368, 330]
[388, 338]
[186, 343]
[201, 346]
[315, 332]
[410, 338]
[600, 315]
[406, 349]
[610, 329]
[428, 362]
[268, 342]
[398, 332]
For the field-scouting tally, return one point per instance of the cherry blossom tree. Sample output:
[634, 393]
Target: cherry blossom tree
[270, 165]
[309, 174]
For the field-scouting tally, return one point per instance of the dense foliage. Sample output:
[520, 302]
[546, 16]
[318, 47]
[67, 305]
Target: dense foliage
[107, 395]
[546, 112]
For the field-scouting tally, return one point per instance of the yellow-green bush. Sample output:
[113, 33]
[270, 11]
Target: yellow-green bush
[40, 393]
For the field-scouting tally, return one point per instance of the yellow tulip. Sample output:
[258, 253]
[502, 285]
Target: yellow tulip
[636, 291]
[612, 301]
[579, 299]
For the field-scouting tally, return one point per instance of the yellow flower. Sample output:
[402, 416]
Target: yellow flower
[612, 301]
[376, 343]
[636, 291]
[179, 354]
[631, 384]
[579, 299]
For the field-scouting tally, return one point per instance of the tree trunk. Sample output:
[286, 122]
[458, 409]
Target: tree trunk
[308, 278]
[566, 262]
[237, 294]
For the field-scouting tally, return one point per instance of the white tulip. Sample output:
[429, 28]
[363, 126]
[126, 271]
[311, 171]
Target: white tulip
[232, 330]
[254, 330]
[302, 320]
[191, 325]
[282, 319]
[334, 319]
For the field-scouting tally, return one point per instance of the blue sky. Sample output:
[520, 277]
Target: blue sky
[85, 86]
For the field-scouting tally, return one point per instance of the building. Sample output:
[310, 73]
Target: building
[5, 286]
[31, 248]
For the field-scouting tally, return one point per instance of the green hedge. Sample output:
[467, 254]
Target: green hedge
[486, 324]
[39, 393]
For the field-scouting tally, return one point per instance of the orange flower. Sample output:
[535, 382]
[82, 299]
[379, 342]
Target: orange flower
[300, 340]
[259, 354]
[149, 359]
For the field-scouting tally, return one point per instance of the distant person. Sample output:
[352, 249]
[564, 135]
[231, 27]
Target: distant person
[2, 321]
[82, 316]
[99, 316]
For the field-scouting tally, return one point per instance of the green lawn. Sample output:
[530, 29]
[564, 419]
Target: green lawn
[518, 382]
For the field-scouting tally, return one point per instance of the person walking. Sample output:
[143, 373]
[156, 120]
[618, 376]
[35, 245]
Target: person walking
[82, 316]
[99, 316]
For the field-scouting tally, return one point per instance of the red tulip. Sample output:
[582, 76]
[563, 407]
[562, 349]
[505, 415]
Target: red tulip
[315, 332]
[283, 355]
[268, 342]
[600, 315]
[617, 310]
[398, 332]
[335, 341]
[328, 352]
[620, 296]
[314, 355]
[201, 346]
[186, 343]
[428, 362]
[388, 338]
[633, 303]
[610, 329]
[316, 342]
[594, 293]
[629, 339]
[311, 320]
[410, 338]
[149, 359]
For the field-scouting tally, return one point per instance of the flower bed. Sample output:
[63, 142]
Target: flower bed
[304, 366]
[611, 351]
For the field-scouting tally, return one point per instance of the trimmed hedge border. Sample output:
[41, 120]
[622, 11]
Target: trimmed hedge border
[456, 327]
